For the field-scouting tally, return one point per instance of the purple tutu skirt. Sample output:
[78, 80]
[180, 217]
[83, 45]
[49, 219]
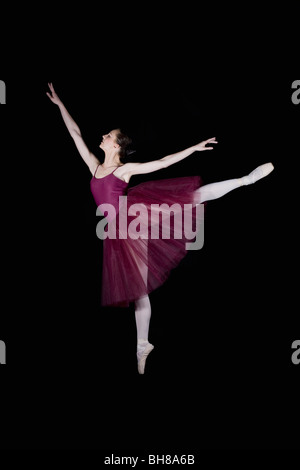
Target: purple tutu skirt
[134, 267]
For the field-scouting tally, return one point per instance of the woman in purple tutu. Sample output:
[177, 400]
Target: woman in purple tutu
[133, 266]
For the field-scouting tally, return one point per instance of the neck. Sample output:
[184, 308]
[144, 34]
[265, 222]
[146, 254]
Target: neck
[111, 159]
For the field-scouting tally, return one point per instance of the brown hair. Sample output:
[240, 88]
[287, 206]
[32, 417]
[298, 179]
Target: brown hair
[124, 141]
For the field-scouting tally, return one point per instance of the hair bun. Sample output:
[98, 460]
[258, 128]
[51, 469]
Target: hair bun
[125, 144]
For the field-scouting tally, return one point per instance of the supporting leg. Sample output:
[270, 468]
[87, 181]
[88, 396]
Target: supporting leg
[142, 318]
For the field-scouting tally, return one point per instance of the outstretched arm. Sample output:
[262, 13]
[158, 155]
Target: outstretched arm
[149, 167]
[74, 130]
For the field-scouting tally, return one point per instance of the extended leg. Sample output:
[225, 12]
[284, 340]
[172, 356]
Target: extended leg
[212, 191]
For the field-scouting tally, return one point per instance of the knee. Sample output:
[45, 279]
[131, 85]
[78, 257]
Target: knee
[142, 302]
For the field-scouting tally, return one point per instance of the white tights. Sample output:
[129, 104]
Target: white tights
[142, 317]
[212, 191]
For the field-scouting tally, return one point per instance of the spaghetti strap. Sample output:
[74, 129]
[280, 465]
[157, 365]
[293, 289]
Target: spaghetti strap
[96, 169]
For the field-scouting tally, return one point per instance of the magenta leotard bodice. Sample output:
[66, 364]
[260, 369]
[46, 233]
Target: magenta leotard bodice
[108, 189]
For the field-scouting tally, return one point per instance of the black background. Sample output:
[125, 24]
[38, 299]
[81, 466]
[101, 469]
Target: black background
[220, 376]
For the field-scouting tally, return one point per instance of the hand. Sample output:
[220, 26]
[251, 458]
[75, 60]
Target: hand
[53, 96]
[202, 145]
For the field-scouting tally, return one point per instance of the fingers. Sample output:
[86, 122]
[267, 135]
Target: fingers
[51, 88]
[52, 98]
[209, 141]
[53, 95]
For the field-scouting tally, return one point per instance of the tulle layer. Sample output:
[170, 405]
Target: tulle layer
[135, 267]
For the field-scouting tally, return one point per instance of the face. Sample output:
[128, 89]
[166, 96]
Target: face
[109, 141]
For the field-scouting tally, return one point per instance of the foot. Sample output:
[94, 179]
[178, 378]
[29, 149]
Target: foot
[259, 172]
[142, 355]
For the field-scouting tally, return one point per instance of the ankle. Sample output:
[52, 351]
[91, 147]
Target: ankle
[142, 341]
[141, 344]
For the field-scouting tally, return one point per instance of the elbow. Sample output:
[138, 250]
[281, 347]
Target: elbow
[75, 132]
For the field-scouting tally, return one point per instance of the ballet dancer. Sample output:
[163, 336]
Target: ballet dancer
[132, 268]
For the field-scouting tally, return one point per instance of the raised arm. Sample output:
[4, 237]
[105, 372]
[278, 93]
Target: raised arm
[149, 167]
[89, 158]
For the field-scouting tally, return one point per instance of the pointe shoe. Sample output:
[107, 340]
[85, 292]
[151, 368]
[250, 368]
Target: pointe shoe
[259, 172]
[143, 357]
